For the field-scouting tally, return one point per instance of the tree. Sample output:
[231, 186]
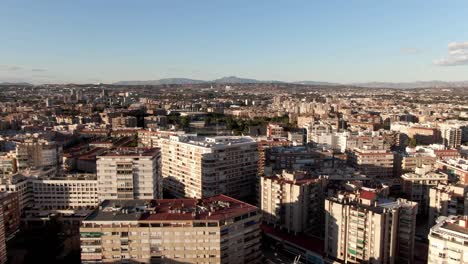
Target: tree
[412, 142]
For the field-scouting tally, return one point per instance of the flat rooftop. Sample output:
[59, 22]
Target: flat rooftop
[209, 142]
[131, 152]
[214, 208]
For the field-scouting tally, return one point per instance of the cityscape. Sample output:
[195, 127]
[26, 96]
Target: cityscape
[109, 164]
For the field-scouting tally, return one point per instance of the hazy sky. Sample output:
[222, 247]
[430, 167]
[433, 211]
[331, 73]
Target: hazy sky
[336, 41]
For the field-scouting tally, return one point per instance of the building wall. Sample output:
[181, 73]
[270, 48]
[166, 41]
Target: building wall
[198, 171]
[356, 233]
[3, 251]
[64, 194]
[294, 207]
[129, 177]
[447, 245]
[11, 213]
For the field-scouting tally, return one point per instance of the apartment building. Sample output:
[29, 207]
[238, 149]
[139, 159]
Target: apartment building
[151, 138]
[38, 152]
[451, 135]
[78, 191]
[3, 249]
[375, 163]
[408, 162]
[18, 184]
[129, 173]
[206, 166]
[298, 158]
[447, 199]
[364, 228]
[8, 164]
[448, 240]
[292, 201]
[424, 135]
[124, 121]
[9, 205]
[219, 229]
[276, 131]
[458, 168]
[415, 186]
[365, 140]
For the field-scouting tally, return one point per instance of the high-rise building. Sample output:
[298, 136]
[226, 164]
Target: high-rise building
[207, 166]
[129, 173]
[451, 135]
[9, 204]
[448, 241]
[292, 201]
[3, 251]
[218, 229]
[363, 228]
[447, 199]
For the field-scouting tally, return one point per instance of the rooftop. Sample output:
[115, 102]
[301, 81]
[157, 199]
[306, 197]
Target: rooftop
[214, 208]
[209, 142]
[131, 152]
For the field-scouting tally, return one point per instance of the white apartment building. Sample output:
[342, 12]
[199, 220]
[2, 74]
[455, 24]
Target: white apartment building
[451, 135]
[362, 228]
[129, 173]
[207, 166]
[72, 192]
[292, 201]
[447, 199]
[53, 193]
[448, 241]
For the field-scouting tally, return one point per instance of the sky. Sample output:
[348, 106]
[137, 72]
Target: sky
[343, 41]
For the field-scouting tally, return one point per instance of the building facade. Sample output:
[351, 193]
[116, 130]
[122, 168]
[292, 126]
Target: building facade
[219, 229]
[363, 228]
[292, 201]
[129, 173]
[447, 199]
[202, 167]
[448, 241]
[375, 163]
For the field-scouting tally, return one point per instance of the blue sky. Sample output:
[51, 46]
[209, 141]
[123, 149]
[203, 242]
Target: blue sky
[336, 41]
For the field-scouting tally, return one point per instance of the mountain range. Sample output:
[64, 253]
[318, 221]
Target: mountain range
[16, 83]
[234, 80]
[237, 80]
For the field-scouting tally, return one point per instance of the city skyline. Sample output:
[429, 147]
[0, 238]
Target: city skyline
[55, 42]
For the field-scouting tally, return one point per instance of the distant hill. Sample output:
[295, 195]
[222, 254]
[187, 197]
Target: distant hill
[317, 83]
[227, 79]
[234, 80]
[161, 81]
[16, 83]
[409, 85]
